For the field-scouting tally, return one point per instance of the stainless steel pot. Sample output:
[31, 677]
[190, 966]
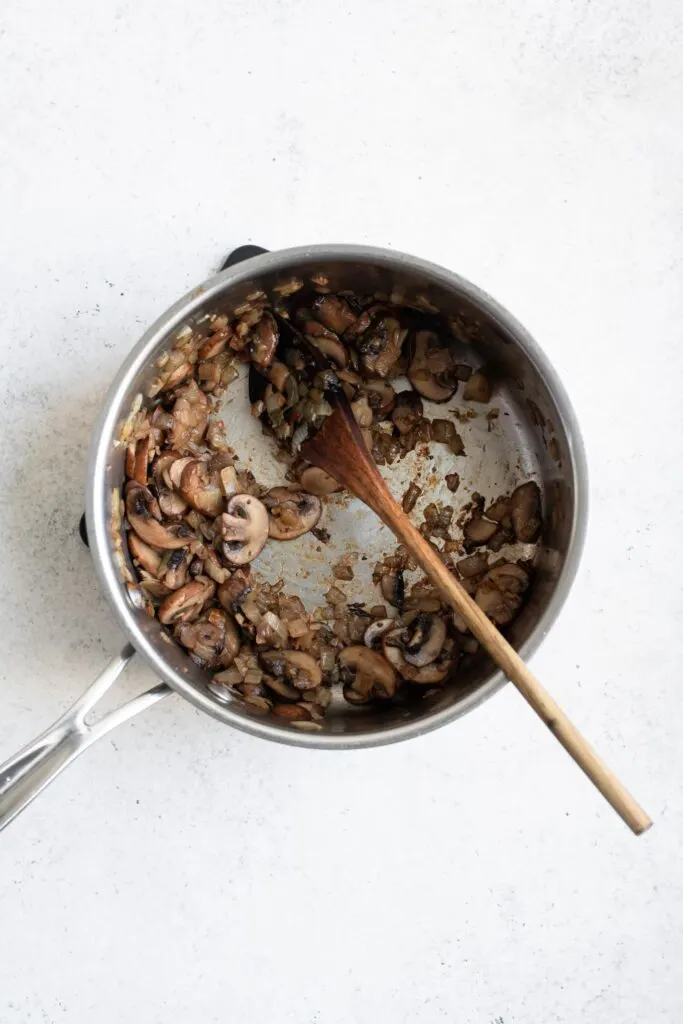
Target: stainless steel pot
[534, 434]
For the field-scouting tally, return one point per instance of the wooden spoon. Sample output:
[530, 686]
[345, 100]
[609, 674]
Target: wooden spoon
[339, 449]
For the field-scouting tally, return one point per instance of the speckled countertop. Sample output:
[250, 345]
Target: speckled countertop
[184, 872]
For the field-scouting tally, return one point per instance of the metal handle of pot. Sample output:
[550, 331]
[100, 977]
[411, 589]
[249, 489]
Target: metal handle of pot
[27, 774]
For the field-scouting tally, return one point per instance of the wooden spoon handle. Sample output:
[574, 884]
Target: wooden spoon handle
[338, 448]
[507, 658]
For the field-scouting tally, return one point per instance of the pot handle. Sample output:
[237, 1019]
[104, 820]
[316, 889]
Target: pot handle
[27, 774]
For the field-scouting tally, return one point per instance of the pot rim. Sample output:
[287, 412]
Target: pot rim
[97, 498]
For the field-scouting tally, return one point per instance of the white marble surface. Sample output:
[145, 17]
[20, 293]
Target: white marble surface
[183, 872]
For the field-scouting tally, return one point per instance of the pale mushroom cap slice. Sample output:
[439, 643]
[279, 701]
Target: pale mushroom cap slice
[243, 528]
[292, 513]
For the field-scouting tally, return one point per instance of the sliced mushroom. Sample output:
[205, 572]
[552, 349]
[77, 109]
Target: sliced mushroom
[444, 432]
[211, 567]
[292, 513]
[281, 688]
[393, 589]
[137, 459]
[477, 389]
[243, 529]
[435, 672]
[142, 510]
[380, 346]
[499, 594]
[326, 342]
[480, 531]
[366, 675]
[525, 512]
[376, 631]
[295, 713]
[201, 483]
[170, 503]
[473, 565]
[381, 397]
[298, 667]
[214, 638]
[264, 341]
[317, 481]
[425, 639]
[232, 592]
[408, 411]
[190, 417]
[145, 556]
[362, 413]
[186, 604]
[173, 568]
[499, 510]
[334, 313]
[436, 385]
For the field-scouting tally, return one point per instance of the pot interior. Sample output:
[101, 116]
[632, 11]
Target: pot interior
[525, 432]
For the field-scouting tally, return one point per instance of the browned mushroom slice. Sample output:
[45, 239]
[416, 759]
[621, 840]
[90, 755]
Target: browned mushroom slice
[393, 589]
[444, 432]
[334, 313]
[408, 411]
[201, 484]
[298, 667]
[175, 471]
[326, 342]
[435, 672]
[186, 604]
[525, 512]
[190, 416]
[170, 503]
[281, 688]
[509, 577]
[243, 529]
[317, 481]
[500, 607]
[410, 497]
[292, 513]
[425, 638]
[264, 339]
[436, 384]
[480, 531]
[380, 346]
[381, 397]
[366, 675]
[214, 638]
[162, 465]
[232, 592]
[143, 513]
[477, 389]
[499, 510]
[362, 413]
[137, 459]
[210, 565]
[500, 593]
[145, 556]
[295, 713]
[473, 565]
[173, 568]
